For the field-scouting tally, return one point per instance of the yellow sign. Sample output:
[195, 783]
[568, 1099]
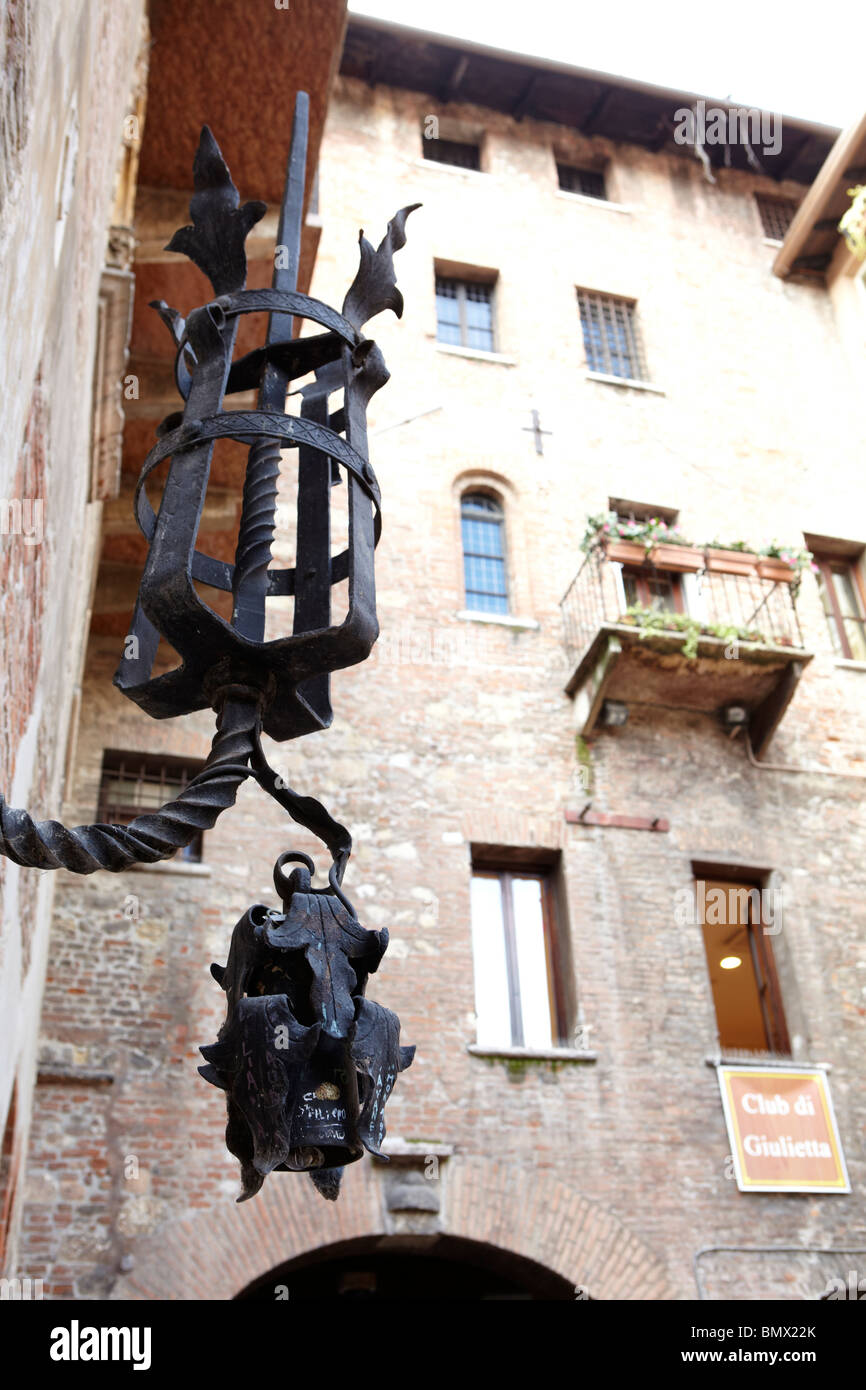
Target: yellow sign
[782, 1130]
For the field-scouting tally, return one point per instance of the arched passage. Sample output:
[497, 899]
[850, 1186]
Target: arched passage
[527, 1214]
[432, 1269]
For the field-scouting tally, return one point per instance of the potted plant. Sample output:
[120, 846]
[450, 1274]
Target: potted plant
[783, 564]
[617, 539]
[634, 541]
[732, 557]
[627, 552]
[776, 569]
[670, 551]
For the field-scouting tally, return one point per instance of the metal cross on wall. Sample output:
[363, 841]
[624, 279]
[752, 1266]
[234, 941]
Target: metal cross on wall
[535, 428]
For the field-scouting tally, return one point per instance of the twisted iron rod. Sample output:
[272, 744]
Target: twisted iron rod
[51, 845]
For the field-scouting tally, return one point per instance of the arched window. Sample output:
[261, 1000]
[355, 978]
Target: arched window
[483, 526]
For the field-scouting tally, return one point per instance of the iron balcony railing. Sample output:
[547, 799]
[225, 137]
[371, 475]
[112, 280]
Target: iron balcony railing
[747, 602]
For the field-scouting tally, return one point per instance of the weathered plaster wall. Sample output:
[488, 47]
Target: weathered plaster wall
[67, 75]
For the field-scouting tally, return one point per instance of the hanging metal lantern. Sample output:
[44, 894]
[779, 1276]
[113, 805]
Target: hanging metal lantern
[308, 1062]
[343, 1054]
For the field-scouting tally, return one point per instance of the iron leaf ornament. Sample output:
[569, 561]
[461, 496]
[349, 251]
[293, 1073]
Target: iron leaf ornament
[307, 1062]
[374, 288]
[220, 226]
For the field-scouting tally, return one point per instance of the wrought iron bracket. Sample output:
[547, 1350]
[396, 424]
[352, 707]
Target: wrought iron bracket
[301, 972]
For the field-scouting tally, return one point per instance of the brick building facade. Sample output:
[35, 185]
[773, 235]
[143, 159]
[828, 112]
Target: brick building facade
[70, 92]
[478, 734]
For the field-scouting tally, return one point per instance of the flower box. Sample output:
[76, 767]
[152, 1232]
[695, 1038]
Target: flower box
[627, 552]
[684, 558]
[777, 570]
[731, 561]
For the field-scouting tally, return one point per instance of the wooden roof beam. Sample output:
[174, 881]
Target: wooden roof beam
[524, 101]
[837, 166]
[786, 161]
[455, 77]
[597, 110]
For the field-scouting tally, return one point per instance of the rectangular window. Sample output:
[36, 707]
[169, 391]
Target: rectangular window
[464, 313]
[844, 605]
[589, 182]
[457, 152]
[610, 336]
[743, 976]
[518, 994]
[776, 214]
[136, 784]
[661, 590]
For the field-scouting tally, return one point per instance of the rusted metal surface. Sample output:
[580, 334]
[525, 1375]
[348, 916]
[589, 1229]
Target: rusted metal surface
[316, 1103]
[618, 819]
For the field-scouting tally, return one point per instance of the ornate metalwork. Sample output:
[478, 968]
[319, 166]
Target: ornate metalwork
[307, 1061]
[298, 975]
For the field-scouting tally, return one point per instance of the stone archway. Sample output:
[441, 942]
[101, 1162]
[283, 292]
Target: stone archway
[215, 1255]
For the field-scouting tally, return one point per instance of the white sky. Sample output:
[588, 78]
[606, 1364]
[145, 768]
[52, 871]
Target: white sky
[797, 59]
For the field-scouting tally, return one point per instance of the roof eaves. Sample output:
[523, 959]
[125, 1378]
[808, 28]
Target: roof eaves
[670, 94]
[814, 205]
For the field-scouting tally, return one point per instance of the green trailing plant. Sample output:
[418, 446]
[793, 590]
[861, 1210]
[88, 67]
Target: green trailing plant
[743, 547]
[584, 760]
[658, 620]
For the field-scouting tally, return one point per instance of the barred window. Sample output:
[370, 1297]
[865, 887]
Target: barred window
[611, 336]
[137, 784]
[777, 214]
[589, 182]
[483, 526]
[464, 313]
[457, 152]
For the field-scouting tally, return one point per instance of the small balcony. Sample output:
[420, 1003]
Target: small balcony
[694, 637]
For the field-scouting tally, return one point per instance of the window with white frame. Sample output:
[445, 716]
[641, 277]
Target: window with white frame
[464, 313]
[519, 998]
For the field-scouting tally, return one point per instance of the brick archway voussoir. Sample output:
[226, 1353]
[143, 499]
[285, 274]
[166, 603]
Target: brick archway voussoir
[215, 1254]
[536, 1215]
